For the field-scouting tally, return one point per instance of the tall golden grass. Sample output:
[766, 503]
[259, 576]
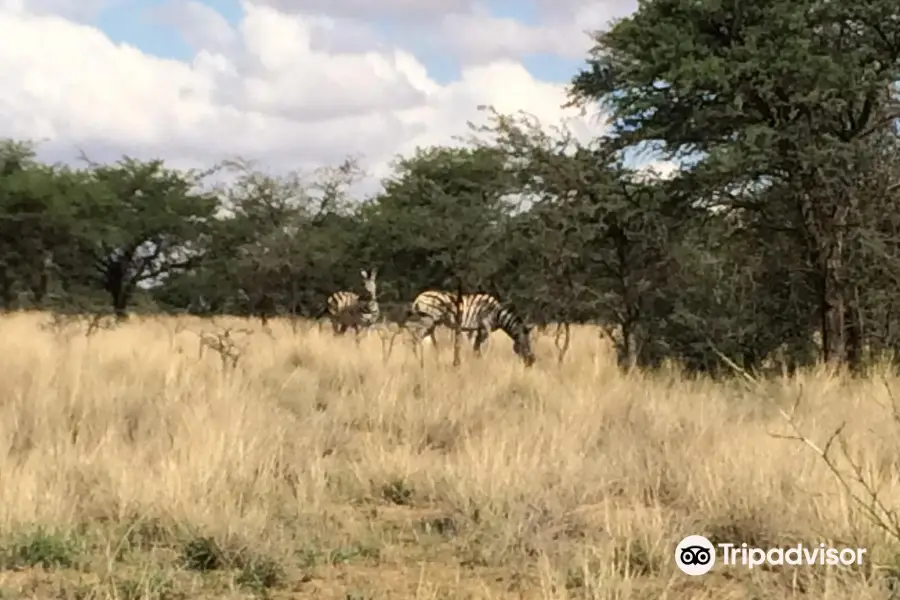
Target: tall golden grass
[316, 469]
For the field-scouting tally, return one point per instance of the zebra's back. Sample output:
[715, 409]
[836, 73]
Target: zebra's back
[441, 306]
[341, 301]
[433, 303]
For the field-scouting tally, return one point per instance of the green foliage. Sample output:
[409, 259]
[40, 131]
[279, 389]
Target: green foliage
[441, 213]
[789, 108]
[47, 549]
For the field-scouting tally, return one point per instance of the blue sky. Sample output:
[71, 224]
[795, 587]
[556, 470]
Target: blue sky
[137, 22]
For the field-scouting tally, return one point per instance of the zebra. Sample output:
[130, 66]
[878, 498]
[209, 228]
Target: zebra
[481, 315]
[349, 309]
[424, 308]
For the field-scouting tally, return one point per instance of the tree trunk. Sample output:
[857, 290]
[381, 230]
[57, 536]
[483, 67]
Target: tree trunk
[457, 327]
[121, 296]
[854, 334]
[834, 340]
[7, 295]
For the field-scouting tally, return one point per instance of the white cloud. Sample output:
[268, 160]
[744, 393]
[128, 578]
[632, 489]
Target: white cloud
[478, 38]
[419, 11]
[469, 30]
[268, 90]
[200, 25]
[596, 12]
[564, 31]
[660, 169]
[71, 9]
[412, 10]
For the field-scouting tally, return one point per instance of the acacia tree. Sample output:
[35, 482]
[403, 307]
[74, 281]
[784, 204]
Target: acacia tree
[781, 100]
[141, 225]
[594, 236]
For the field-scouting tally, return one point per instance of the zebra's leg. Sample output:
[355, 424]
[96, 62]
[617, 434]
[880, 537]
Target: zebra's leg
[481, 337]
[471, 335]
[428, 333]
[425, 331]
[414, 330]
[466, 334]
[430, 336]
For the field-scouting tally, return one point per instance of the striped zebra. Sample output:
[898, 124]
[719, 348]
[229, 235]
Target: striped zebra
[424, 310]
[348, 309]
[481, 315]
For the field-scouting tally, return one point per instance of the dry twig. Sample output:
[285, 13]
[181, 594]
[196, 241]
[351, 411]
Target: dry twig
[229, 348]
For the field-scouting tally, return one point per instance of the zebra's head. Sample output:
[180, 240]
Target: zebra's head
[522, 345]
[369, 282]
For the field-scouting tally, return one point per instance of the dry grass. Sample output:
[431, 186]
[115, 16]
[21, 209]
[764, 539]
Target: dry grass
[132, 468]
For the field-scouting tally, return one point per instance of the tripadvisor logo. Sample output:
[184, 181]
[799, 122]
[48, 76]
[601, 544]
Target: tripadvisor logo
[733, 554]
[696, 555]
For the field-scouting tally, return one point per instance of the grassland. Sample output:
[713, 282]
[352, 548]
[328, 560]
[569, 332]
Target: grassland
[131, 467]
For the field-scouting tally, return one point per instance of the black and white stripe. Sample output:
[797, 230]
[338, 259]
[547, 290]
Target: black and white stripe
[349, 309]
[481, 314]
[427, 310]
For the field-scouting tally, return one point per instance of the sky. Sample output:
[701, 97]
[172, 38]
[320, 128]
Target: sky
[292, 84]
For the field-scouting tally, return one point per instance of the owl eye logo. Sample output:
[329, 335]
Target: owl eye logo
[695, 555]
